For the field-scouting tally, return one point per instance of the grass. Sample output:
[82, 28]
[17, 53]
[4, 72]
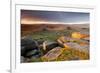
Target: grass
[50, 35]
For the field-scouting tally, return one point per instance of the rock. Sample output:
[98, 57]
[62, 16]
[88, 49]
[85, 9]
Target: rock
[31, 53]
[83, 48]
[79, 35]
[34, 53]
[27, 45]
[28, 42]
[64, 39]
[49, 46]
[52, 54]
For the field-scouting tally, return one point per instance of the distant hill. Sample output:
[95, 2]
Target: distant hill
[28, 28]
[41, 27]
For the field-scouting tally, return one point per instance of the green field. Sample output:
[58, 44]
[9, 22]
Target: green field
[50, 35]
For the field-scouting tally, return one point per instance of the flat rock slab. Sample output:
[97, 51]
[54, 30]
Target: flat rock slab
[69, 39]
[52, 54]
[83, 48]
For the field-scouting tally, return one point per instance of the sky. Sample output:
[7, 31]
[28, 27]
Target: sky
[37, 17]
